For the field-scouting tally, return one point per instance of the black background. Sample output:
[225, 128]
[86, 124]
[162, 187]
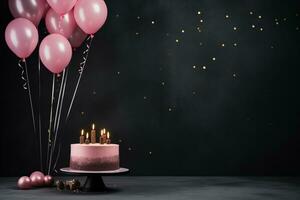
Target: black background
[238, 116]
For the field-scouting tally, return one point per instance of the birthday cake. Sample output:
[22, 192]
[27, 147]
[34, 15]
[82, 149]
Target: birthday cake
[94, 157]
[91, 155]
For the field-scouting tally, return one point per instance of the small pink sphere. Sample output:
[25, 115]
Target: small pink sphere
[48, 180]
[24, 183]
[37, 179]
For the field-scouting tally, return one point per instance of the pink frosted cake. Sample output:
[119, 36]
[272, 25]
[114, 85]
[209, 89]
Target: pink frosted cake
[94, 157]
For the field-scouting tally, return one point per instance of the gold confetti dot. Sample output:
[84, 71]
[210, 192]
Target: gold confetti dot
[176, 40]
[152, 22]
[199, 30]
[199, 13]
[259, 16]
[213, 58]
[235, 44]
[201, 20]
[234, 28]
[170, 109]
[182, 31]
[194, 66]
[222, 45]
[251, 13]
[253, 26]
[226, 16]
[261, 29]
[204, 67]
[82, 113]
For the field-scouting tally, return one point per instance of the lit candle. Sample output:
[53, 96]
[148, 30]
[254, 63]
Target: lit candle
[93, 134]
[81, 138]
[104, 136]
[108, 138]
[101, 139]
[87, 140]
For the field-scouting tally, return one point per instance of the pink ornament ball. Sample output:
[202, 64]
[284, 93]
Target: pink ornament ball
[37, 179]
[24, 183]
[48, 180]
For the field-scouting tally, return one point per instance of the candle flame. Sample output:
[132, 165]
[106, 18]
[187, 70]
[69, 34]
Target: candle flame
[87, 135]
[104, 130]
[82, 131]
[107, 135]
[93, 126]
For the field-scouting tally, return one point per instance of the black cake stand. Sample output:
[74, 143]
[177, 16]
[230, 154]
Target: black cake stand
[94, 181]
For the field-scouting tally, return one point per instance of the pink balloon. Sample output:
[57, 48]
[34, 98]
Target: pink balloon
[55, 52]
[77, 37]
[62, 6]
[21, 37]
[64, 24]
[24, 183]
[32, 10]
[90, 15]
[48, 180]
[37, 179]
[47, 7]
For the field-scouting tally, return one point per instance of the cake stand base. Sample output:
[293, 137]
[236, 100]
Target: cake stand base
[94, 181]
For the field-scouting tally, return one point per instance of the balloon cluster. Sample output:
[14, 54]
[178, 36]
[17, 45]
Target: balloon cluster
[36, 179]
[68, 22]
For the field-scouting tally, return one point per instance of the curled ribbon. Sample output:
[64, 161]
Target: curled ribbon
[24, 80]
[85, 54]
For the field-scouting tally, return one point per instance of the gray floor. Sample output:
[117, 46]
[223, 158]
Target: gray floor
[170, 188]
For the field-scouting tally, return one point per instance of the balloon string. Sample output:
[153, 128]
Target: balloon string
[26, 86]
[50, 121]
[22, 74]
[30, 97]
[39, 115]
[57, 158]
[61, 103]
[55, 120]
[64, 82]
[81, 69]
